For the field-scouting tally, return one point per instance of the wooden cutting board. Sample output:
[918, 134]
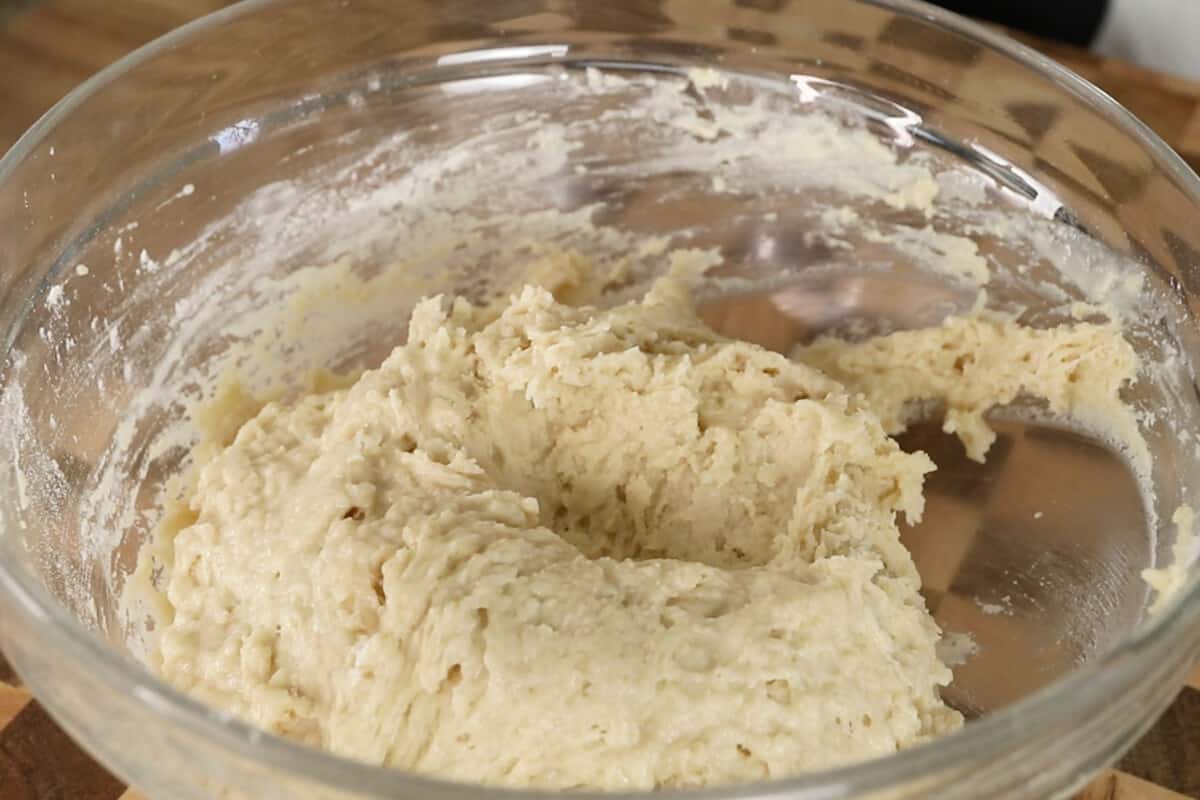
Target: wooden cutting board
[48, 47]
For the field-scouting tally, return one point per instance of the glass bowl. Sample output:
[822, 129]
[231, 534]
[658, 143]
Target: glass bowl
[194, 182]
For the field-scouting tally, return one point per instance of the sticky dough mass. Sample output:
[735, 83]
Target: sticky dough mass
[564, 547]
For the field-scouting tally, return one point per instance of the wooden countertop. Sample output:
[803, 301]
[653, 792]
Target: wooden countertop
[48, 47]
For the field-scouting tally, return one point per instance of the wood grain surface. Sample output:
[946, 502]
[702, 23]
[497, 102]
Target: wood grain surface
[48, 47]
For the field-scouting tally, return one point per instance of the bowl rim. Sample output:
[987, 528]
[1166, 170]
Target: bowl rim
[1092, 685]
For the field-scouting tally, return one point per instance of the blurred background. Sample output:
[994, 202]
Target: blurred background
[47, 47]
[1155, 33]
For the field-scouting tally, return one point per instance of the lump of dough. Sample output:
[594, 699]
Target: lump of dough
[564, 547]
[980, 360]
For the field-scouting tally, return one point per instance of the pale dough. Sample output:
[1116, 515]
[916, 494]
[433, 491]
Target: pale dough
[976, 361]
[555, 546]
